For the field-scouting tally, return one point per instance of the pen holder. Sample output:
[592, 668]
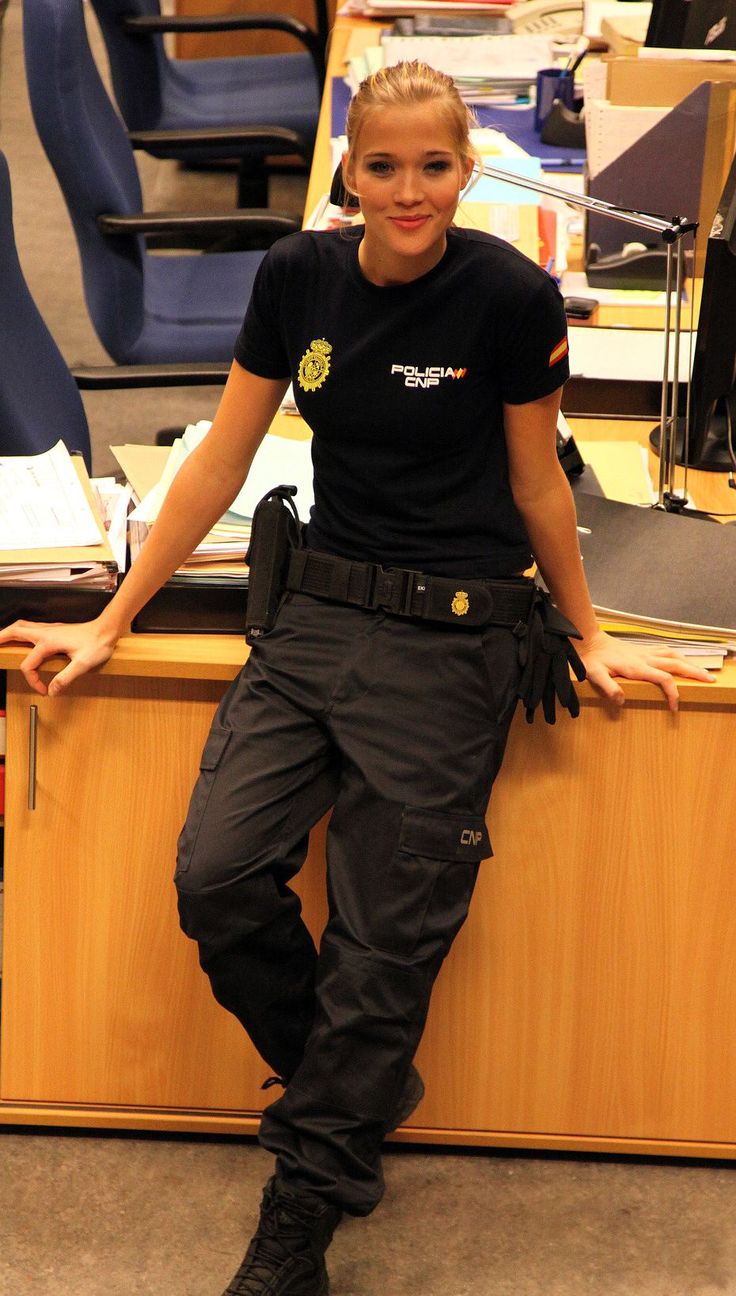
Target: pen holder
[552, 83]
[564, 127]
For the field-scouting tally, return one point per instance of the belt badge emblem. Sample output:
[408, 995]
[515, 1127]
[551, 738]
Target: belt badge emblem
[460, 603]
[314, 365]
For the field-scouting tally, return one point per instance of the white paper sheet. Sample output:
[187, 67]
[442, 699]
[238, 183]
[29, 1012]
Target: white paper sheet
[42, 503]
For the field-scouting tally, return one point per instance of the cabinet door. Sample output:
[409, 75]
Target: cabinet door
[103, 998]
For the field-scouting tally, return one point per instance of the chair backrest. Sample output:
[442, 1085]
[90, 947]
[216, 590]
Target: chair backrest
[39, 400]
[88, 148]
[138, 64]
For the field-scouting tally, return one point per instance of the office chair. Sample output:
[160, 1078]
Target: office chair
[145, 308]
[39, 395]
[39, 400]
[194, 110]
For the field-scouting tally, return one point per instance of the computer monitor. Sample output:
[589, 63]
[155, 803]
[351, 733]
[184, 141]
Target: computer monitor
[711, 24]
[667, 23]
[692, 24]
[712, 437]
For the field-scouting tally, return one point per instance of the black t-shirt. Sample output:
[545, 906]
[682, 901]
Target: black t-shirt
[403, 389]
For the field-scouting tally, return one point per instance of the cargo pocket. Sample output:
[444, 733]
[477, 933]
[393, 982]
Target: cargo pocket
[214, 748]
[436, 864]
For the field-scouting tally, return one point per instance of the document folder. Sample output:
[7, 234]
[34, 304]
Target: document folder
[658, 565]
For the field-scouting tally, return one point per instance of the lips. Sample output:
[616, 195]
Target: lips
[409, 222]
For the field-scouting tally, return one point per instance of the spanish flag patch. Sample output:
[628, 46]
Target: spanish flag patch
[558, 352]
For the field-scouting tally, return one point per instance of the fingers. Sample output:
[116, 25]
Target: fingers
[65, 677]
[38, 634]
[600, 677]
[676, 664]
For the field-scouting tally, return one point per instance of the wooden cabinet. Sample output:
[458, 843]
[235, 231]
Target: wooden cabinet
[103, 1000]
[589, 1003]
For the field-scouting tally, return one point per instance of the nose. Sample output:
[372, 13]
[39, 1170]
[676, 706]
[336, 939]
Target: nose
[408, 187]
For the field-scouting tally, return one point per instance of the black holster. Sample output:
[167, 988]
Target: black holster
[546, 655]
[275, 531]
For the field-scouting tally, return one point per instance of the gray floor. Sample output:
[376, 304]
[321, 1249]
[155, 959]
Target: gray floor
[92, 1215]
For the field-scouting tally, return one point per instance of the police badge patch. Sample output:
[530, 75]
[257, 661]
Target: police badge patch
[461, 603]
[314, 365]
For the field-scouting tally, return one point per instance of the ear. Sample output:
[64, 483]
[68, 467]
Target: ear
[467, 170]
[347, 177]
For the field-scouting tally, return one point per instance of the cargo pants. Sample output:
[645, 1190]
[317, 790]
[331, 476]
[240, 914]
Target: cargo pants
[400, 727]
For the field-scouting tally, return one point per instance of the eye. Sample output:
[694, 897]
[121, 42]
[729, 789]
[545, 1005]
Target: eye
[379, 168]
[439, 166]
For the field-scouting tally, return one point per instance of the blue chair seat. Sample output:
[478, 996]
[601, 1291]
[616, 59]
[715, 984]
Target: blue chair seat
[193, 307]
[282, 90]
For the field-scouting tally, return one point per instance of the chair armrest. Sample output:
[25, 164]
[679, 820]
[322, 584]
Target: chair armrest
[201, 229]
[117, 377]
[314, 42]
[272, 139]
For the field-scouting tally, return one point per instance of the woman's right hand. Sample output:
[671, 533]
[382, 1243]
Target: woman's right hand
[86, 645]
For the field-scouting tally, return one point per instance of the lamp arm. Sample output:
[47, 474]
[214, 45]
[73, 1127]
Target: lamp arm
[672, 232]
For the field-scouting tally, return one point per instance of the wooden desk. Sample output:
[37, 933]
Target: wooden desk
[588, 1004]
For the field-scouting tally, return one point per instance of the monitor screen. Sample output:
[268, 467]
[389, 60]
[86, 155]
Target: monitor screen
[667, 23]
[692, 24]
[711, 24]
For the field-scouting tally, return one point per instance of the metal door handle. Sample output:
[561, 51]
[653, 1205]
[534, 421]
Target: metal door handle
[32, 754]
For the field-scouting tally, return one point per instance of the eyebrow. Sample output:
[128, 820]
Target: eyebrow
[429, 153]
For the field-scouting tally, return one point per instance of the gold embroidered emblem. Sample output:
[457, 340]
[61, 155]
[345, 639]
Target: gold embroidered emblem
[314, 365]
[460, 603]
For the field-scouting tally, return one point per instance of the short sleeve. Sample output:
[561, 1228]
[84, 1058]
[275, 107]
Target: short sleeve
[259, 346]
[534, 349]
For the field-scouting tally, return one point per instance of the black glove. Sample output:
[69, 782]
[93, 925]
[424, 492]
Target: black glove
[546, 655]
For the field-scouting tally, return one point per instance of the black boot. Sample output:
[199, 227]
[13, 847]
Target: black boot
[286, 1256]
[411, 1096]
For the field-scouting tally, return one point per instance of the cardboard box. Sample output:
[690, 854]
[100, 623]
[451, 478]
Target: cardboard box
[665, 82]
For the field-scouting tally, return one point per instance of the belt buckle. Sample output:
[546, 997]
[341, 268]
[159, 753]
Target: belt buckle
[403, 584]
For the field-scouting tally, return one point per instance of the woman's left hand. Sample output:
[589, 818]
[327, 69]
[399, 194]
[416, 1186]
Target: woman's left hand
[605, 658]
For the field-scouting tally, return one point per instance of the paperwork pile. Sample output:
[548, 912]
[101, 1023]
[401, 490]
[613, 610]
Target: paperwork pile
[485, 69]
[221, 555]
[52, 528]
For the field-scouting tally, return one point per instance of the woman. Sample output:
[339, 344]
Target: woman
[429, 362]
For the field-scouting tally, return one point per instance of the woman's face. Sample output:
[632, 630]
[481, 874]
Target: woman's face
[408, 175]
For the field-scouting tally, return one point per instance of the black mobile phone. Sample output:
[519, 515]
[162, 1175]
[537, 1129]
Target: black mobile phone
[580, 307]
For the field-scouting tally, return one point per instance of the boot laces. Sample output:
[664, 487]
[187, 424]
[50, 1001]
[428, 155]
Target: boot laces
[281, 1237]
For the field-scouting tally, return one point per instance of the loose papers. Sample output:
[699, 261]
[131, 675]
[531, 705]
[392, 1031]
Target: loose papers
[42, 502]
[51, 531]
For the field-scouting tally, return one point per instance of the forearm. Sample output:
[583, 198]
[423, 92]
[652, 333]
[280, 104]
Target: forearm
[551, 524]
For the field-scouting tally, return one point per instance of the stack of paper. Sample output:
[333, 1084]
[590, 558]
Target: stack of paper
[485, 69]
[710, 650]
[221, 555]
[384, 8]
[51, 527]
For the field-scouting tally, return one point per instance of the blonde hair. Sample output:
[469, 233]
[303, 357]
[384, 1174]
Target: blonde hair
[404, 86]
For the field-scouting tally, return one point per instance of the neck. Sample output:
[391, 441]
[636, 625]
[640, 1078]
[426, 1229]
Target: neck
[387, 271]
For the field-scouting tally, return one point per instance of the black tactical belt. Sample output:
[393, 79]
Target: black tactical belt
[449, 600]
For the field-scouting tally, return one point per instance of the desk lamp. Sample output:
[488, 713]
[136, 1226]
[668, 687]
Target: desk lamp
[672, 233]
